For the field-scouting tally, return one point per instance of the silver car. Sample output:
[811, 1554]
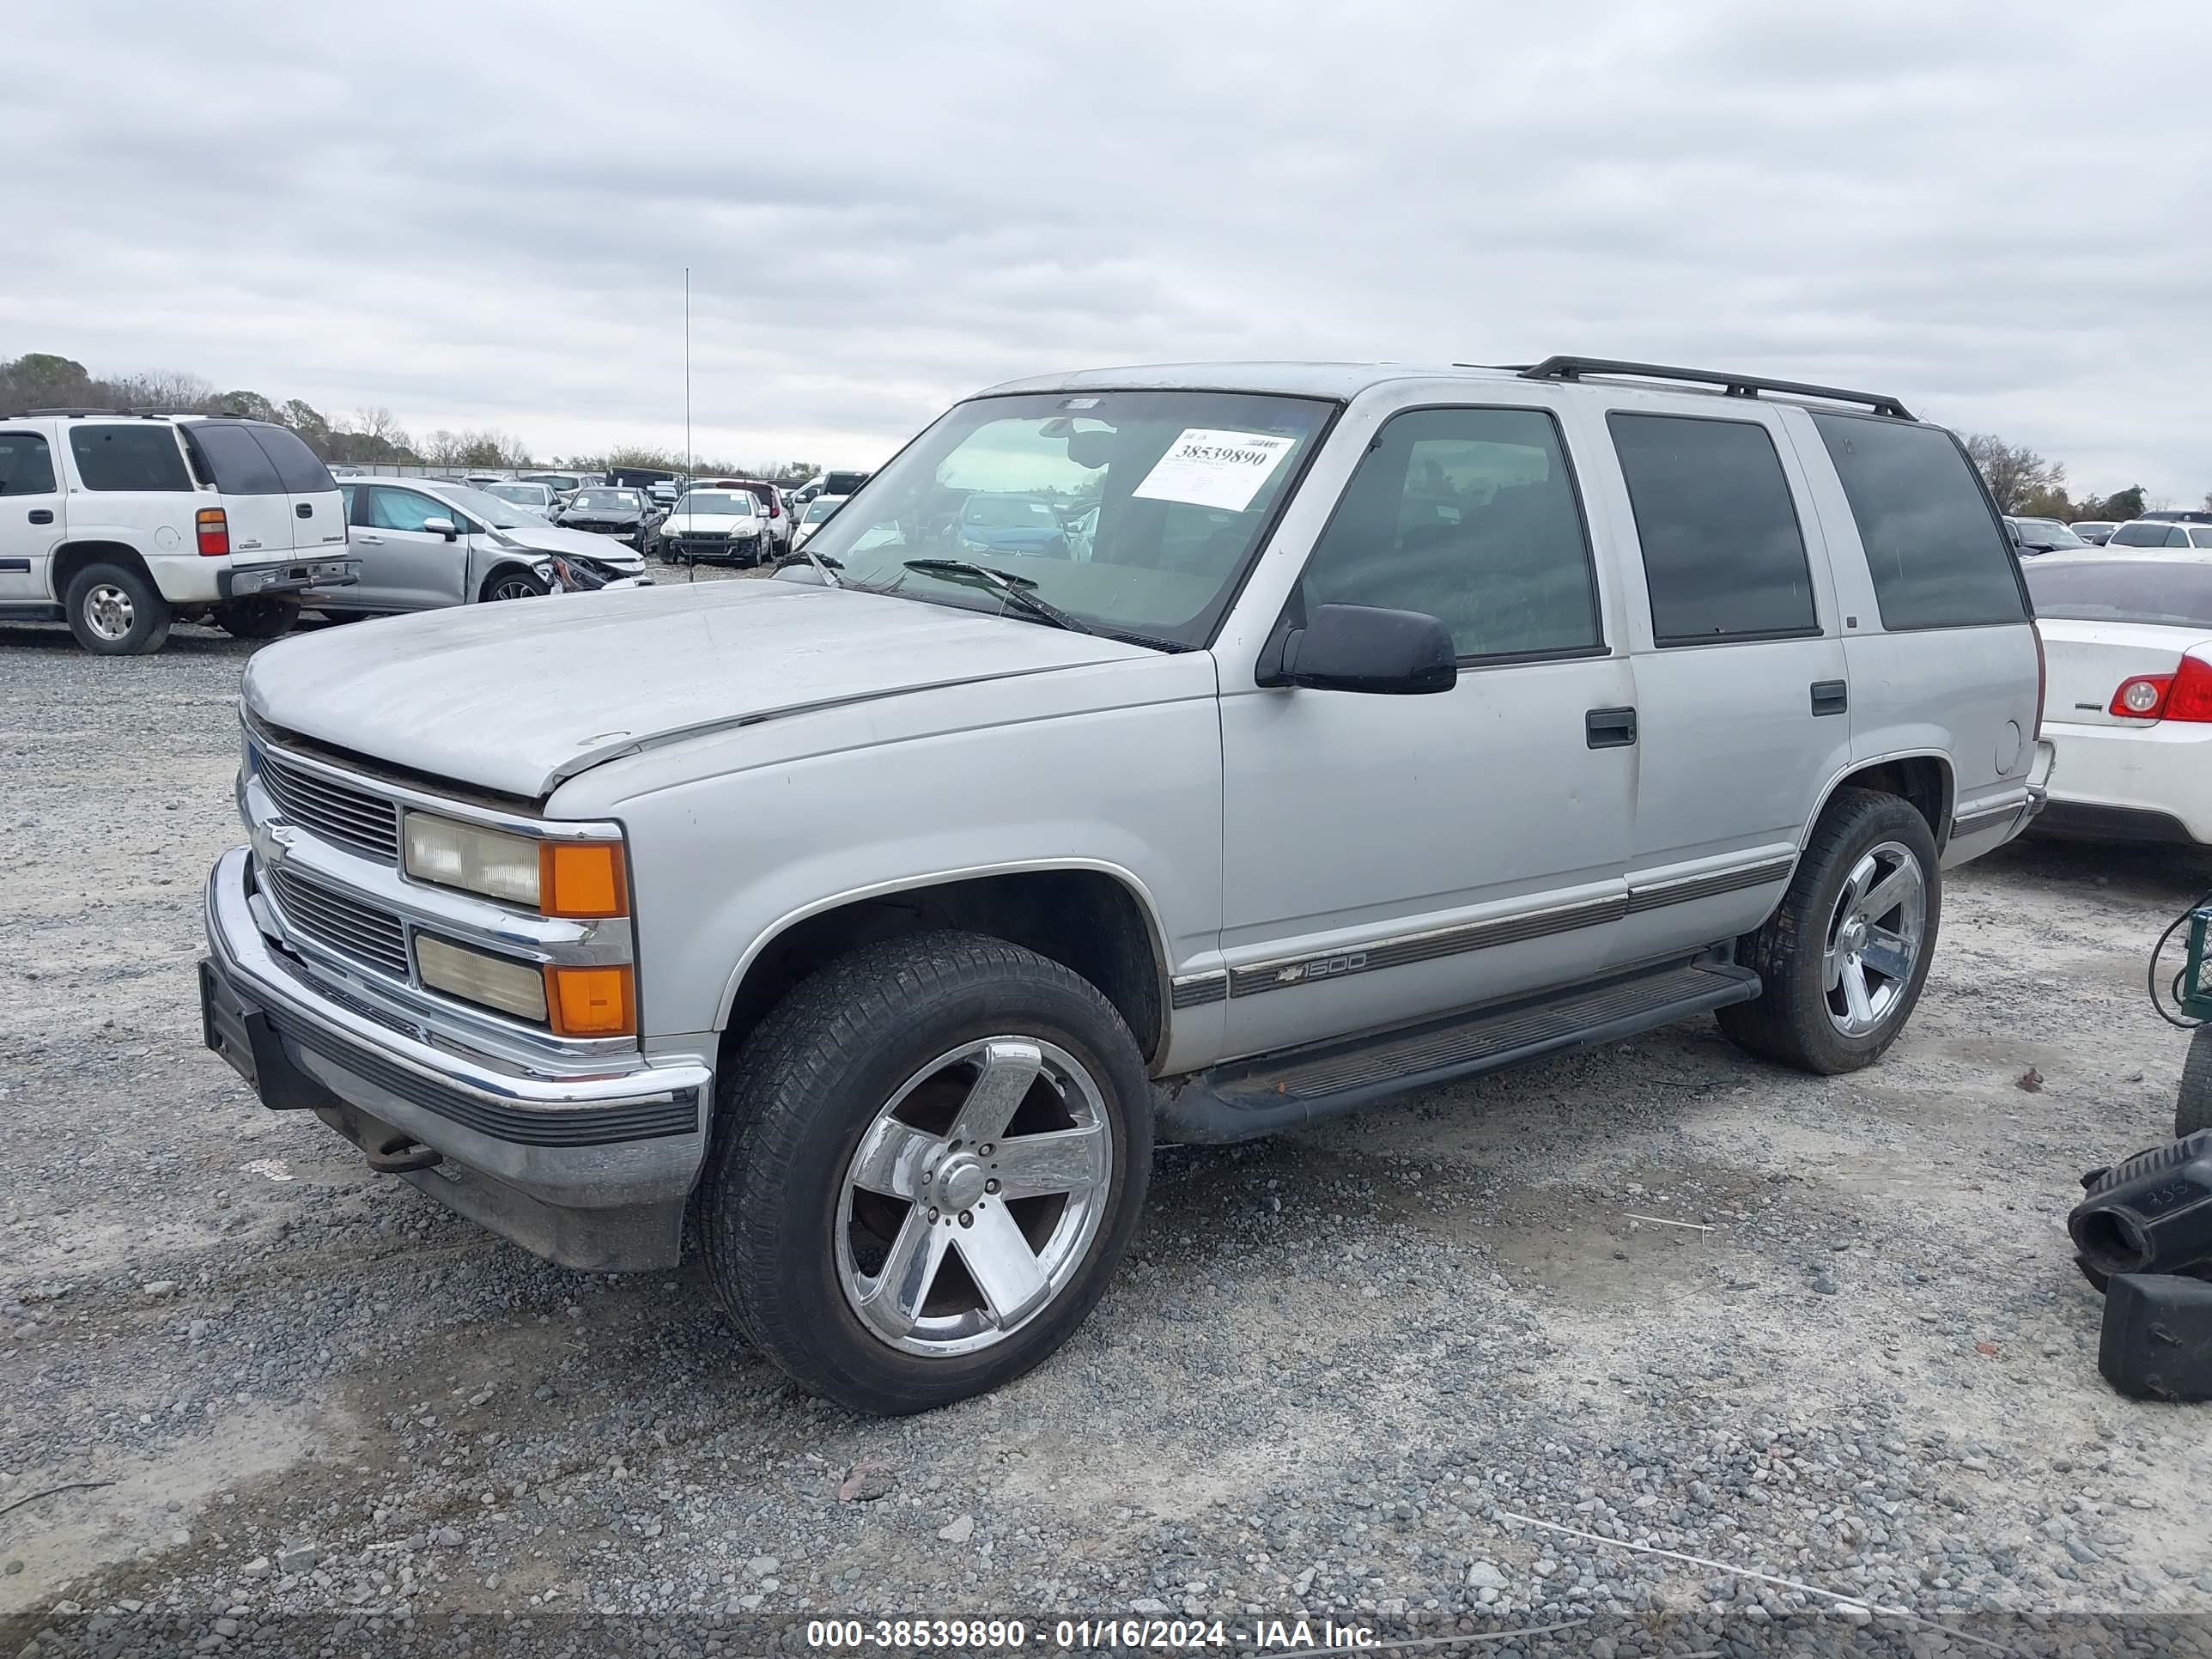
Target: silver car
[425, 543]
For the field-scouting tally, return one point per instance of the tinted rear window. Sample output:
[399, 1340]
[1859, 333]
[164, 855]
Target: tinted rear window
[299, 466]
[1723, 557]
[842, 483]
[2169, 592]
[26, 466]
[1937, 553]
[138, 457]
[238, 465]
[2147, 535]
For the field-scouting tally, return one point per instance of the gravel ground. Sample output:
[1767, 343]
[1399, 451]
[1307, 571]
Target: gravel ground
[328, 1416]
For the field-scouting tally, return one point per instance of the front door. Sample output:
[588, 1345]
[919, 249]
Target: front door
[405, 567]
[1392, 857]
[31, 515]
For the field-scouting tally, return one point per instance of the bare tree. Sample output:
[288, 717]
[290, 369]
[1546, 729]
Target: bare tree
[2014, 473]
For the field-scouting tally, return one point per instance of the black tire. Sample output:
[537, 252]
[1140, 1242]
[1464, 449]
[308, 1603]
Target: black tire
[116, 612]
[514, 585]
[259, 616]
[1790, 1021]
[2192, 1108]
[810, 1081]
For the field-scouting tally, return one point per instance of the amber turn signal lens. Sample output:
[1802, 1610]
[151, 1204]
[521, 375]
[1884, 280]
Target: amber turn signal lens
[592, 1002]
[582, 878]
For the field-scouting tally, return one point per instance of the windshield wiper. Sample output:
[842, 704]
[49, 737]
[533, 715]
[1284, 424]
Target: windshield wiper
[1014, 589]
[826, 567]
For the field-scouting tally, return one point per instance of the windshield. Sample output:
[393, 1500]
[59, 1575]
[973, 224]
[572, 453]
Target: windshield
[521, 495]
[1184, 483]
[723, 502]
[483, 504]
[2048, 532]
[2169, 592]
[607, 501]
[817, 510]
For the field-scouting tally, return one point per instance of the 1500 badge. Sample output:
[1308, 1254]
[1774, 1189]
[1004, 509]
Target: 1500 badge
[1325, 968]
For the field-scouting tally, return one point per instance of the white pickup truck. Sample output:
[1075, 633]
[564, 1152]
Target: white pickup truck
[1360, 729]
[120, 524]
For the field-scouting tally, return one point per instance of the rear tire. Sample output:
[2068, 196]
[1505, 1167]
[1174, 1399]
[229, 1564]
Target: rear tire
[1840, 975]
[2192, 1109]
[260, 616]
[879, 1078]
[116, 612]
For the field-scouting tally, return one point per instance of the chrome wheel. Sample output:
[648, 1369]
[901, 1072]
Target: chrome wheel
[1873, 938]
[973, 1196]
[516, 587]
[108, 612]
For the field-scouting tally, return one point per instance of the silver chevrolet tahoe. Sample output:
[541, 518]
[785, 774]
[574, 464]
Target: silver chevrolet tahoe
[1168, 754]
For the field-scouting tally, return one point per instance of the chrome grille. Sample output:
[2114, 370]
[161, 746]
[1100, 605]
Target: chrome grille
[376, 939]
[352, 818]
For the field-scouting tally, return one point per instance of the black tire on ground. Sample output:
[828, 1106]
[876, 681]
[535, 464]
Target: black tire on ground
[1791, 1019]
[259, 616]
[116, 612]
[515, 585]
[2192, 1108]
[810, 1081]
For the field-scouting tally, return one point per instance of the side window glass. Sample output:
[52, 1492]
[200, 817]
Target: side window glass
[1938, 555]
[404, 509]
[141, 456]
[27, 465]
[1723, 557]
[1468, 515]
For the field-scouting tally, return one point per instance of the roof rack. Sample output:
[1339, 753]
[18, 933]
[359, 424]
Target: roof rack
[1736, 386]
[26, 413]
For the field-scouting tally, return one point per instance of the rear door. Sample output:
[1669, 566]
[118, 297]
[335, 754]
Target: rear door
[31, 520]
[317, 514]
[254, 502]
[1742, 707]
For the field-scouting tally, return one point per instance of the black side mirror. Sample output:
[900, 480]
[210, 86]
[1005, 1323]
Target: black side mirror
[1363, 647]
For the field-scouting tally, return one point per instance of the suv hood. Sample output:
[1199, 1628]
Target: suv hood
[514, 698]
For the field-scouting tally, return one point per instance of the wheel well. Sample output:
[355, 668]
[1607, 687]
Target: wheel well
[1084, 919]
[1922, 779]
[72, 556]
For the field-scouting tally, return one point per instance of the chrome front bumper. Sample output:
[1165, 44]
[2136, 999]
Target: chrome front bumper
[591, 1170]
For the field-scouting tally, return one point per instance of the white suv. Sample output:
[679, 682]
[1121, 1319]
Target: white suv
[121, 524]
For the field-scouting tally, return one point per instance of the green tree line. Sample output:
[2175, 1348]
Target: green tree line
[42, 379]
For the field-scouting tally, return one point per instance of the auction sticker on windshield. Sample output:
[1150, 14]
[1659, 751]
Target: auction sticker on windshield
[1215, 468]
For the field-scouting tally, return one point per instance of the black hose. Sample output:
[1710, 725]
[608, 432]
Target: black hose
[2174, 988]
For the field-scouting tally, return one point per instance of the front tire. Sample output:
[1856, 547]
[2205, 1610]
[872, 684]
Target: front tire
[930, 1159]
[261, 617]
[515, 585]
[1844, 957]
[116, 612]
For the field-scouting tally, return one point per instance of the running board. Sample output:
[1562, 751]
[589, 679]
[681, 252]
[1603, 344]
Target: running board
[1239, 1101]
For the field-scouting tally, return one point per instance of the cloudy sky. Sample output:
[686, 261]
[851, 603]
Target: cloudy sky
[480, 215]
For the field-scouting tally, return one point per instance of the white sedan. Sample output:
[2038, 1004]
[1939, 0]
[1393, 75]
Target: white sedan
[2127, 696]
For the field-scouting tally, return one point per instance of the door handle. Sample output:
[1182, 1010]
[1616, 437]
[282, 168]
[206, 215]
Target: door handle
[369, 541]
[305, 509]
[1609, 728]
[1831, 697]
[42, 515]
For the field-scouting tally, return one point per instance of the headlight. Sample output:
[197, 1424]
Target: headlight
[578, 878]
[501, 982]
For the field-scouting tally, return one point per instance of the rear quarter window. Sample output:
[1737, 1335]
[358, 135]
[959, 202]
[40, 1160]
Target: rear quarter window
[1937, 552]
[142, 457]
